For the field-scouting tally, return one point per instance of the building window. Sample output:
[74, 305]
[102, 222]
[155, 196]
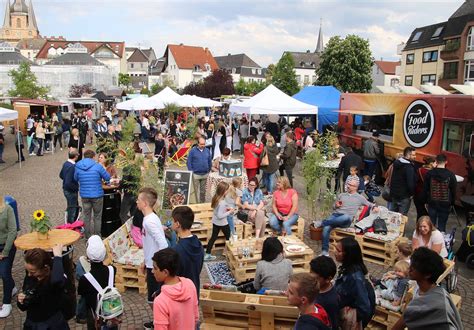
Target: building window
[131, 65]
[450, 70]
[306, 80]
[314, 79]
[410, 58]
[417, 36]
[394, 82]
[437, 33]
[428, 78]
[470, 39]
[253, 71]
[298, 79]
[197, 68]
[18, 23]
[469, 71]
[408, 80]
[430, 56]
[141, 65]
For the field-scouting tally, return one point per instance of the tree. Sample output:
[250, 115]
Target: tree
[145, 91]
[249, 88]
[284, 76]
[167, 82]
[346, 64]
[26, 83]
[124, 79]
[77, 90]
[269, 73]
[217, 84]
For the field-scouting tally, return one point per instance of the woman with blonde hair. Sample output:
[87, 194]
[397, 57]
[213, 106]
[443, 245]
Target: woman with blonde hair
[8, 232]
[75, 142]
[106, 164]
[40, 136]
[285, 207]
[219, 217]
[428, 236]
[271, 151]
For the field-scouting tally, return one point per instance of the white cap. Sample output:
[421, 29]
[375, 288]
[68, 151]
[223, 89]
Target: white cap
[95, 249]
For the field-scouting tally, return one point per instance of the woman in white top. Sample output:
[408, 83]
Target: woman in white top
[427, 235]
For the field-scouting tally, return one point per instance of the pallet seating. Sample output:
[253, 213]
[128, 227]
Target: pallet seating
[376, 248]
[235, 310]
[126, 258]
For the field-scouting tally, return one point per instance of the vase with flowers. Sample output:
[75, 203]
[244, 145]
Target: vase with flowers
[40, 224]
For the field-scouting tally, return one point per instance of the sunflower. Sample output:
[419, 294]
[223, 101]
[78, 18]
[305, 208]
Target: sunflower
[38, 215]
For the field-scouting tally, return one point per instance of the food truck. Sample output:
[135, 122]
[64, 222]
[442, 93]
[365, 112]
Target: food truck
[433, 124]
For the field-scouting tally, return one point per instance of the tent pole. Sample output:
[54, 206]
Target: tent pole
[18, 141]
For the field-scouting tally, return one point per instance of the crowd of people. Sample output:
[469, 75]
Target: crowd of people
[327, 297]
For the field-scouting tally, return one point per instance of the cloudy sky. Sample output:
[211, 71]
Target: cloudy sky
[262, 29]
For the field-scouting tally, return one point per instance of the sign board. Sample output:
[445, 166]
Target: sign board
[177, 188]
[418, 123]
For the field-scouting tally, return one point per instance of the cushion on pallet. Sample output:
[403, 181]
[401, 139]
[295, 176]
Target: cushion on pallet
[118, 243]
[133, 257]
[394, 223]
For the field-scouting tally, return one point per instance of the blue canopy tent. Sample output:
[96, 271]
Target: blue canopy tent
[326, 98]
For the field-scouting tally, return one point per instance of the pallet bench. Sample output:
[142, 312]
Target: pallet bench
[235, 310]
[375, 248]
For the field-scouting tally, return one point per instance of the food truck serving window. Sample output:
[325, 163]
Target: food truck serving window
[456, 136]
[364, 125]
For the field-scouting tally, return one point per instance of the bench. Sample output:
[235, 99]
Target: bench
[235, 310]
[376, 248]
[126, 257]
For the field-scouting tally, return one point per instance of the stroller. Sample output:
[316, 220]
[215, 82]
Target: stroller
[451, 280]
[465, 252]
[77, 225]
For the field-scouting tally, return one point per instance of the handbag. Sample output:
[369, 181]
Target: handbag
[264, 161]
[380, 227]
[242, 215]
[386, 193]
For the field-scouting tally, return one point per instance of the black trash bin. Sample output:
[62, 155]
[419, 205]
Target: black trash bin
[111, 213]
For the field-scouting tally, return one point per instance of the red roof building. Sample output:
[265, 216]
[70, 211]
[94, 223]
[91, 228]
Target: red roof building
[387, 67]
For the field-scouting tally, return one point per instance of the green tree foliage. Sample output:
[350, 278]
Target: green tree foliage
[269, 73]
[167, 82]
[26, 84]
[145, 91]
[284, 76]
[124, 79]
[249, 88]
[346, 64]
[215, 85]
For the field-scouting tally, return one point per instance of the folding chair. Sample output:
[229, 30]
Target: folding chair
[179, 158]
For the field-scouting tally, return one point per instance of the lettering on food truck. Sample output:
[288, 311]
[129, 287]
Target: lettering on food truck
[418, 123]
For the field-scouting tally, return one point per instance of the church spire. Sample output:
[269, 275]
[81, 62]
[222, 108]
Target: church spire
[320, 44]
[31, 17]
[6, 21]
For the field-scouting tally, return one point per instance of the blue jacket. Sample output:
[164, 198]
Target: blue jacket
[67, 175]
[90, 174]
[191, 255]
[199, 162]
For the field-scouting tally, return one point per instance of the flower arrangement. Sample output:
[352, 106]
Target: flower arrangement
[40, 222]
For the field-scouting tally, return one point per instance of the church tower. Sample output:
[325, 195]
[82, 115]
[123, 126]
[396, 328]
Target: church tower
[19, 22]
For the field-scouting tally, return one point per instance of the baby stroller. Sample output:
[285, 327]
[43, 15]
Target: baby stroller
[77, 225]
[451, 280]
[466, 250]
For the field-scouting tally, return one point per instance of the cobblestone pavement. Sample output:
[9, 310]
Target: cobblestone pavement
[37, 185]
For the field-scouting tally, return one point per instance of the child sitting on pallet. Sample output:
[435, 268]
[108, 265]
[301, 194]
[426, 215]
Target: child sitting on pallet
[393, 284]
[405, 250]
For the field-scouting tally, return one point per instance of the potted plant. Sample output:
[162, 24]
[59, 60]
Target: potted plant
[40, 224]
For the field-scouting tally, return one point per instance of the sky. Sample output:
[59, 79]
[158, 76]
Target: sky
[262, 29]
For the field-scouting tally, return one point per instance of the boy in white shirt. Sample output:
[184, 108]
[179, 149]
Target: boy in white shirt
[153, 237]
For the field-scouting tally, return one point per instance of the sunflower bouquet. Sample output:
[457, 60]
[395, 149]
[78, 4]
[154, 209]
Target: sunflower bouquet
[40, 222]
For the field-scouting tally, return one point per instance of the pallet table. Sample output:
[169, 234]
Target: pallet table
[243, 268]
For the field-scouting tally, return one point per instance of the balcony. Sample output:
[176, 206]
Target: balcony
[451, 50]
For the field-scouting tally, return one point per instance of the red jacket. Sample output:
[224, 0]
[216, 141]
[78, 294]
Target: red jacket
[252, 155]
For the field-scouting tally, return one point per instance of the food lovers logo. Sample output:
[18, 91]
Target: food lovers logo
[418, 124]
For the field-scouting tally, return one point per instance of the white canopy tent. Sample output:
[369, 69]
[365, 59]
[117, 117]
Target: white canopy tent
[8, 115]
[140, 104]
[273, 101]
[196, 101]
[167, 96]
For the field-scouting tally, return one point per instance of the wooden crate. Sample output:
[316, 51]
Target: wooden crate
[245, 268]
[298, 229]
[373, 250]
[235, 310]
[128, 277]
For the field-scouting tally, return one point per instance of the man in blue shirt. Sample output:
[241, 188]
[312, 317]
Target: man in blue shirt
[70, 185]
[199, 162]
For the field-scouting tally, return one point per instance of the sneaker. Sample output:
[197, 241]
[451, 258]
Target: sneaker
[6, 310]
[209, 257]
[61, 149]
[324, 253]
[2, 161]
[317, 223]
[148, 325]
[32, 154]
[14, 291]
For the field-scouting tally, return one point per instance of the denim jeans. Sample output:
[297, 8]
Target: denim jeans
[439, 216]
[40, 146]
[128, 206]
[66, 137]
[400, 205]
[2, 147]
[33, 145]
[278, 225]
[289, 174]
[335, 220]
[269, 181]
[72, 205]
[6, 265]
[89, 205]
[230, 221]
[81, 307]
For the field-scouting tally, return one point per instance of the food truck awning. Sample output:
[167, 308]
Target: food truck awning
[365, 112]
[435, 90]
[465, 89]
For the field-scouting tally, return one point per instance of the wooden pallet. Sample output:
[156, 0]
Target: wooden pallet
[373, 250]
[128, 276]
[235, 310]
[245, 268]
[297, 229]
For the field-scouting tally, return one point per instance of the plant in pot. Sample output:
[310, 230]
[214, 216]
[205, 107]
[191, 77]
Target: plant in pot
[317, 176]
[40, 224]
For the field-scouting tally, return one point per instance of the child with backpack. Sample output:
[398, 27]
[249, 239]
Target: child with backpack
[176, 307]
[97, 285]
[189, 247]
